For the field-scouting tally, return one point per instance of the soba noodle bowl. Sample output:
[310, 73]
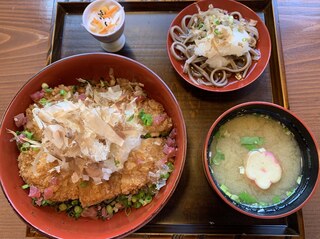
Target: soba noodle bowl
[215, 45]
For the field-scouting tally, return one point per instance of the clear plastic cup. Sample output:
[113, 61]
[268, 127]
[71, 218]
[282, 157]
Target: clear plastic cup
[114, 40]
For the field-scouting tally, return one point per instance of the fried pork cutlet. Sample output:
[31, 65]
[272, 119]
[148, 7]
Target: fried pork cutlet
[133, 176]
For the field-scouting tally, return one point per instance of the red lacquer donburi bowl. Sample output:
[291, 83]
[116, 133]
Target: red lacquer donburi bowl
[66, 71]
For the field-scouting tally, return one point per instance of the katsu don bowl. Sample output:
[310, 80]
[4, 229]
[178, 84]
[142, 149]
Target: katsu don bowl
[92, 146]
[262, 160]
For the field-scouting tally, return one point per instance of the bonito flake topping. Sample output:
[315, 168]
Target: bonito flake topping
[94, 132]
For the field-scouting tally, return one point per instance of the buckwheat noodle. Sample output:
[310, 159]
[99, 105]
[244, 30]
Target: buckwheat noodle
[201, 25]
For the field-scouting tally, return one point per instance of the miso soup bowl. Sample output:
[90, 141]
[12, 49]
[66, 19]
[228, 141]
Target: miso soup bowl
[309, 162]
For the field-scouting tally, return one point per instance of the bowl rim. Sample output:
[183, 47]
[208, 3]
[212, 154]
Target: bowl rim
[183, 143]
[226, 88]
[215, 187]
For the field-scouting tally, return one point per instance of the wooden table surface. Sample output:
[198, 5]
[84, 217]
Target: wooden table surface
[24, 41]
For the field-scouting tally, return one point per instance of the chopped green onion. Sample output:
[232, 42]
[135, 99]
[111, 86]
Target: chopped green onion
[28, 134]
[117, 162]
[130, 118]
[141, 194]
[74, 202]
[25, 146]
[62, 207]
[250, 147]
[231, 19]
[44, 86]
[299, 179]
[46, 202]
[48, 90]
[251, 140]
[77, 209]
[146, 118]
[25, 186]
[143, 202]
[115, 209]
[218, 157]
[217, 135]
[69, 206]
[247, 198]
[224, 188]
[287, 131]
[234, 197]
[165, 176]
[134, 198]
[148, 199]
[216, 31]
[109, 210]
[62, 92]
[137, 205]
[289, 193]
[263, 204]
[251, 143]
[109, 201]
[83, 184]
[228, 194]
[43, 101]
[152, 189]
[146, 136]
[171, 166]
[124, 200]
[276, 199]
[200, 25]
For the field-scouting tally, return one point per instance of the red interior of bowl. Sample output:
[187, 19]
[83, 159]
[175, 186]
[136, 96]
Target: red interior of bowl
[66, 71]
[263, 44]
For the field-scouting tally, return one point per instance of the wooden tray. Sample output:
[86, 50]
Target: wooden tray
[194, 209]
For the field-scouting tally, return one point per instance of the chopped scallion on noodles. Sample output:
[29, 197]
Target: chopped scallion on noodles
[215, 45]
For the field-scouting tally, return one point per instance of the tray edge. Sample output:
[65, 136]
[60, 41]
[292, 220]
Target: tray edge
[279, 88]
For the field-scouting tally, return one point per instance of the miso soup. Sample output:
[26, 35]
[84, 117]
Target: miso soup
[255, 160]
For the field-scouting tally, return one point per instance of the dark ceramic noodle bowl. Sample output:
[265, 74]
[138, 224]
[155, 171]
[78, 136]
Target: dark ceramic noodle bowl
[309, 162]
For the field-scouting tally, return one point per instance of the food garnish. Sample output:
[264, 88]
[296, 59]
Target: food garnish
[104, 19]
[84, 149]
[214, 45]
[263, 168]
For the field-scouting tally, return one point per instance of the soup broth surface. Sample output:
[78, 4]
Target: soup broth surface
[228, 158]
